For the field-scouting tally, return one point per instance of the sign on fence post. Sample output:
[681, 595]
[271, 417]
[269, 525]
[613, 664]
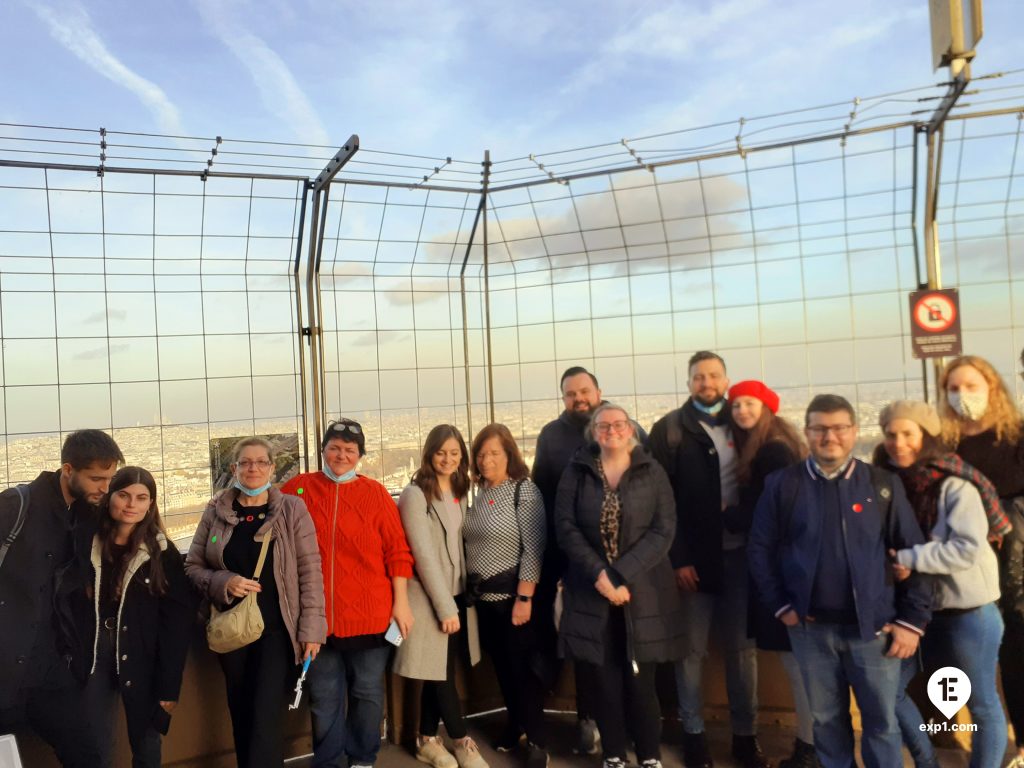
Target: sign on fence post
[935, 323]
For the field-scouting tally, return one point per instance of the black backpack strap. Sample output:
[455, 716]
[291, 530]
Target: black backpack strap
[515, 495]
[881, 481]
[19, 521]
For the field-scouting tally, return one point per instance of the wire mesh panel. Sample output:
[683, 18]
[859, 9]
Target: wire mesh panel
[159, 307]
[792, 263]
[392, 317]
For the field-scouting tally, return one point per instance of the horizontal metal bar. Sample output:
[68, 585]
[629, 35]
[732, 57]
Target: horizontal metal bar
[148, 171]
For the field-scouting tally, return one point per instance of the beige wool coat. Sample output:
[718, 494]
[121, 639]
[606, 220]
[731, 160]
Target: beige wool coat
[424, 654]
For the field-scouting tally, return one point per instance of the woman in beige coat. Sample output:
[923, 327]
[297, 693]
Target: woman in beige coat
[432, 509]
[290, 595]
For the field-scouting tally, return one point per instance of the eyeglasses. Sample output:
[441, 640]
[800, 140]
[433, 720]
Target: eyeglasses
[839, 430]
[259, 464]
[345, 426]
[604, 427]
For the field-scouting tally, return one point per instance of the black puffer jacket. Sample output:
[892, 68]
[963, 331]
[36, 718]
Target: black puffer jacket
[1011, 565]
[46, 544]
[654, 619]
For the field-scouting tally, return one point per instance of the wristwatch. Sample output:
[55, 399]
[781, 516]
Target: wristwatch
[524, 598]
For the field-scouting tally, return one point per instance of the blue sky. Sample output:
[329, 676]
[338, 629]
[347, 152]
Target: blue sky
[449, 77]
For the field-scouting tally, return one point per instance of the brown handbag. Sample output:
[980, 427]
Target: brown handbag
[240, 624]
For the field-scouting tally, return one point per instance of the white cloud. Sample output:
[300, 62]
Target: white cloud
[279, 90]
[73, 29]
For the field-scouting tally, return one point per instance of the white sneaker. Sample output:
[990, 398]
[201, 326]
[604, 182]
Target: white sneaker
[430, 750]
[467, 753]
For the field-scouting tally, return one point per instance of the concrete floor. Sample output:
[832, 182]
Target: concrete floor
[776, 741]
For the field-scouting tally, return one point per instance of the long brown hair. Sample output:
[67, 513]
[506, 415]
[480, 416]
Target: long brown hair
[144, 533]
[1001, 414]
[426, 476]
[517, 468]
[768, 427]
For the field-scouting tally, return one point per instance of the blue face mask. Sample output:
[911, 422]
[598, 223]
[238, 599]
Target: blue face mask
[339, 478]
[711, 410]
[252, 491]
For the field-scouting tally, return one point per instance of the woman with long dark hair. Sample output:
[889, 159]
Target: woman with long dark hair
[432, 508]
[132, 619]
[766, 442]
[957, 508]
[505, 533]
[981, 422]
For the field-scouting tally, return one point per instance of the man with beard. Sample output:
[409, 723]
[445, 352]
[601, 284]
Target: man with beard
[694, 444]
[556, 444]
[58, 522]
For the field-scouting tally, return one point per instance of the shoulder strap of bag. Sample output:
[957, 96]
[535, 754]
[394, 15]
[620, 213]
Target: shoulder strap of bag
[515, 496]
[19, 521]
[263, 556]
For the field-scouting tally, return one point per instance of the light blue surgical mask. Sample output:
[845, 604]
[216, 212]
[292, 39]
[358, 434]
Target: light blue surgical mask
[339, 478]
[711, 410]
[252, 491]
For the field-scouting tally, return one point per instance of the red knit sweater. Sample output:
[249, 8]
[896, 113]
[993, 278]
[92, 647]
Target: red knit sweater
[362, 546]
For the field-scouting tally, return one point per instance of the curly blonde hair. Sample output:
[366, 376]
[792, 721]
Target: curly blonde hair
[1001, 415]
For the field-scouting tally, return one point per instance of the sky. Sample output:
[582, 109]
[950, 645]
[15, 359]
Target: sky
[450, 77]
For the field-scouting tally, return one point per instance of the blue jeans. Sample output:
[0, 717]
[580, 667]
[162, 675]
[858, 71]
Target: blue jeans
[971, 642]
[919, 744]
[728, 610]
[833, 658]
[346, 700]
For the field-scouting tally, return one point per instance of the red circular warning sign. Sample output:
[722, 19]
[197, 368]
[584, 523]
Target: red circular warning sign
[934, 312]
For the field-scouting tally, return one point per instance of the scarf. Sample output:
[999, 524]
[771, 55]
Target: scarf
[611, 516]
[924, 481]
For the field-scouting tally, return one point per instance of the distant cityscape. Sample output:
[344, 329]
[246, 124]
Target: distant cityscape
[180, 456]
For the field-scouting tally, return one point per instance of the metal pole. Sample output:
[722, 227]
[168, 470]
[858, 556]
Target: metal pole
[917, 248]
[933, 263]
[313, 329]
[465, 317]
[298, 317]
[487, 286]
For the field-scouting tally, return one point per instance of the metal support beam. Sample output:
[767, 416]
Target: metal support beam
[487, 285]
[297, 289]
[465, 318]
[336, 163]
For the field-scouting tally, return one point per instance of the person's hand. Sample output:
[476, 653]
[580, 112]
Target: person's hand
[450, 626]
[310, 650]
[620, 596]
[604, 585]
[168, 706]
[904, 641]
[899, 572]
[789, 618]
[521, 612]
[239, 586]
[402, 614]
[687, 578]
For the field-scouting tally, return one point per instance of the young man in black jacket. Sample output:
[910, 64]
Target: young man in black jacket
[37, 690]
[695, 446]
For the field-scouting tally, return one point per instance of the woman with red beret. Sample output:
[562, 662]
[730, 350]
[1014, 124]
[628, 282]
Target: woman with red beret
[764, 443]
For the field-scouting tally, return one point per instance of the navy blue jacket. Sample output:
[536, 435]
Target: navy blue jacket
[785, 541]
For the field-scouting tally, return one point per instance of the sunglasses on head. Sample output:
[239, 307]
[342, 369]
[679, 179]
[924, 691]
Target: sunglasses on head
[345, 426]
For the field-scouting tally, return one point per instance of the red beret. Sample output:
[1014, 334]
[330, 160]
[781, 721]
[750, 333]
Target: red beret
[752, 388]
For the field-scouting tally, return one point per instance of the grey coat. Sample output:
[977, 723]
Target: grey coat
[654, 622]
[423, 655]
[297, 573]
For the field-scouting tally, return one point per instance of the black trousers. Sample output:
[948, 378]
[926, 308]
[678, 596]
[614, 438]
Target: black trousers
[513, 652]
[1011, 670]
[56, 712]
[258, 677]
[439, 699]
[624, 702]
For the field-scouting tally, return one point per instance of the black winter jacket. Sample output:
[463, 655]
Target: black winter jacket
[692, 467]
[654, 622]
[47, 543]
[557, 443]
[153, 635]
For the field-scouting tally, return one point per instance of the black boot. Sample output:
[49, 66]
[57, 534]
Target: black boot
[803, 756]
[695, 751]
[747, 752]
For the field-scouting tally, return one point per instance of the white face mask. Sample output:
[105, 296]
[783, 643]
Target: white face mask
[969, 405]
